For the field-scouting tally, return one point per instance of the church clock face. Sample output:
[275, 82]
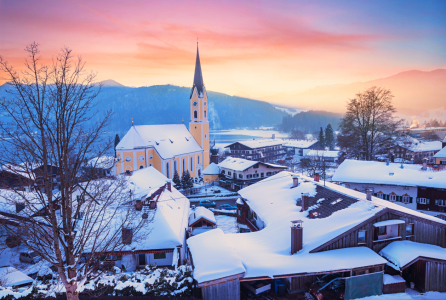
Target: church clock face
[195, 103]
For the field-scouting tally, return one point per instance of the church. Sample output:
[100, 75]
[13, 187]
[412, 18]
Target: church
[172, 147]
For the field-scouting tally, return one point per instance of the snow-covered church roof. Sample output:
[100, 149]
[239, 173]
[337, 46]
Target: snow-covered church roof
[168, 140]
[212, 169]
[374, 172]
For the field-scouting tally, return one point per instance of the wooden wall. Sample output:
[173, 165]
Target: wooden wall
[435, 276]
[425, 232]
[229, 290]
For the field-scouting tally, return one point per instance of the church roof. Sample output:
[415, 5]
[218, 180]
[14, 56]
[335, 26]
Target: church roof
[168, 140]
[198, 77]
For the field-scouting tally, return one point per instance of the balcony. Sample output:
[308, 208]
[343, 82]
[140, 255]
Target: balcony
[252, 224]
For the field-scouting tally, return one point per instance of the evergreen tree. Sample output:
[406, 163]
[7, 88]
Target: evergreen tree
[329, 137]
[176, 180]
[190, 181]
[117, 140]
[321, 139]
[185, 180]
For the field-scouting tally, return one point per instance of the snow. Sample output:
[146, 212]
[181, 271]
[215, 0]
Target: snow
[389, 222]
[422, 146]
[168, 140]
[221, 261]
[103, 162]
[300, 143]
[441, 153]
[239, 201]
[323, 153]
[201, 212]
[11, 277]
[237, 164]
[400, 253]
[389, 279]
[288, 110]
[374, 172]
[409, 295]
[259, 143]
[227, 223]
[212, 169]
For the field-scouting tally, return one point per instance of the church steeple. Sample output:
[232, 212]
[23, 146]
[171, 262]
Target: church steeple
[198, 76]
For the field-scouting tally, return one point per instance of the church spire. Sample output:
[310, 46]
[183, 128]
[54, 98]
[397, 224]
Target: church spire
[198, 76]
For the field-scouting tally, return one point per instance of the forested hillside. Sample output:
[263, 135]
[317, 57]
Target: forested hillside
[310, 121]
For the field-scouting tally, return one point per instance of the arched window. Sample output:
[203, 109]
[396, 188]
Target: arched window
[167, 170]
[175, 166]
[195, 114]
[191, 163]
[198, 159]
[205, 114]
[184, 165]
[141, 167]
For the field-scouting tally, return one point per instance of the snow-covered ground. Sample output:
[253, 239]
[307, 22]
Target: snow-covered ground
[227, 223]
[409, 295]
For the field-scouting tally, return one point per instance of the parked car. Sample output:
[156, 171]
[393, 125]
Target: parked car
[207, 203]
[228, 207]
[29, 257]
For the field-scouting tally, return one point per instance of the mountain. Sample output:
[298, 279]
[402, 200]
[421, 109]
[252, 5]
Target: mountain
[414, 91]
[109, 82]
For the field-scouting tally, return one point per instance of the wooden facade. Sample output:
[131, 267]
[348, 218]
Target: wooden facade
[224, 291]
[432, 194]
[425, 231]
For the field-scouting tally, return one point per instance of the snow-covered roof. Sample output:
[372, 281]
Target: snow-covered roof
[168, 140]
[374, 172]
[400, 253]
[259, 143]
[103, 162]
[11, 277]
[300, 143]
[222, 262]
[441, 153]
[389, 279]
[201, 212]
[19, 170]
[241, 164]
[416, 145]
[323, 153]
[212, 169]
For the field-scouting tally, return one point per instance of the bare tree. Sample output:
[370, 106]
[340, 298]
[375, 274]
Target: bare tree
[369, 124]
[46, 139]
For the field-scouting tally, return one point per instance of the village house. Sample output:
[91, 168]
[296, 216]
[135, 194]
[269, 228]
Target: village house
[330, 157]
[415, 150]
[237, 173]
[440, 156]
[264, 150]
[100, 167]
[201, 220]
[305, 230]
[211, 173]
[299, 147]
[418, 187]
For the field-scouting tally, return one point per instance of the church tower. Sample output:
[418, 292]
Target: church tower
[199, 124]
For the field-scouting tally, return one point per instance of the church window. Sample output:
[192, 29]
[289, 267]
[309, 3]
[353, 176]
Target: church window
[205, 136]
[141, 167]
[167, 170]
[205, 114]
[151, 165]
[175, 166]
[195, 114]
[128, 159]
[192, 164]
[198, 159]
[184, 165]
[150, 156]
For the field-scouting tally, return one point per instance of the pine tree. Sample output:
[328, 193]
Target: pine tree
[117, 140]
[185, 180]
[321, 139]
[329, 137]
[176, 180]
[190, 181]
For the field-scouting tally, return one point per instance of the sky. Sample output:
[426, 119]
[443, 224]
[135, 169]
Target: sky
[258, 49]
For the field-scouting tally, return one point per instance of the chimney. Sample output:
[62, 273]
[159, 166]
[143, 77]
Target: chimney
[138, 205]
[169, 185]
[402, 167]
[296, 236]
[387, 162]
[424, 164]
[316, 177]
[304, 201]
[127, 235]
[369, 194]
[295, 180]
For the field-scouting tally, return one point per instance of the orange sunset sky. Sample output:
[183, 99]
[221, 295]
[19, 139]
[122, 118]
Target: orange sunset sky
[258, 49]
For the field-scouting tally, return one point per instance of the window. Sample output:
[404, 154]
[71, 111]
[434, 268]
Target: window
[128, 159]
[141, 167]
[184, 165]
[440, 202]
[167, 170]
[151, 165]
[410, 229]
[262, 175]
[195, 114]
[205, 114]
[382, 230]
[198, 159]
[240, 175]
[229, 173]
[443, 162]
[192, 164]
[150, 156]
[406, 199]
[392, 197]
[175, 166]
[205, 136]
[256, 166]
[256, 175]
[423, 200]
[362, 237]
[268, 173]
[249, 176]
[159, 255]
[223, 171]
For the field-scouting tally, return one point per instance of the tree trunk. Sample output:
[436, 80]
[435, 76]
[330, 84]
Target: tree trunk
[72, 294]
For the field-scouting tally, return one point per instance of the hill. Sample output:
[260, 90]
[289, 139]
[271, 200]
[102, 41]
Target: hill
[414, 91]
